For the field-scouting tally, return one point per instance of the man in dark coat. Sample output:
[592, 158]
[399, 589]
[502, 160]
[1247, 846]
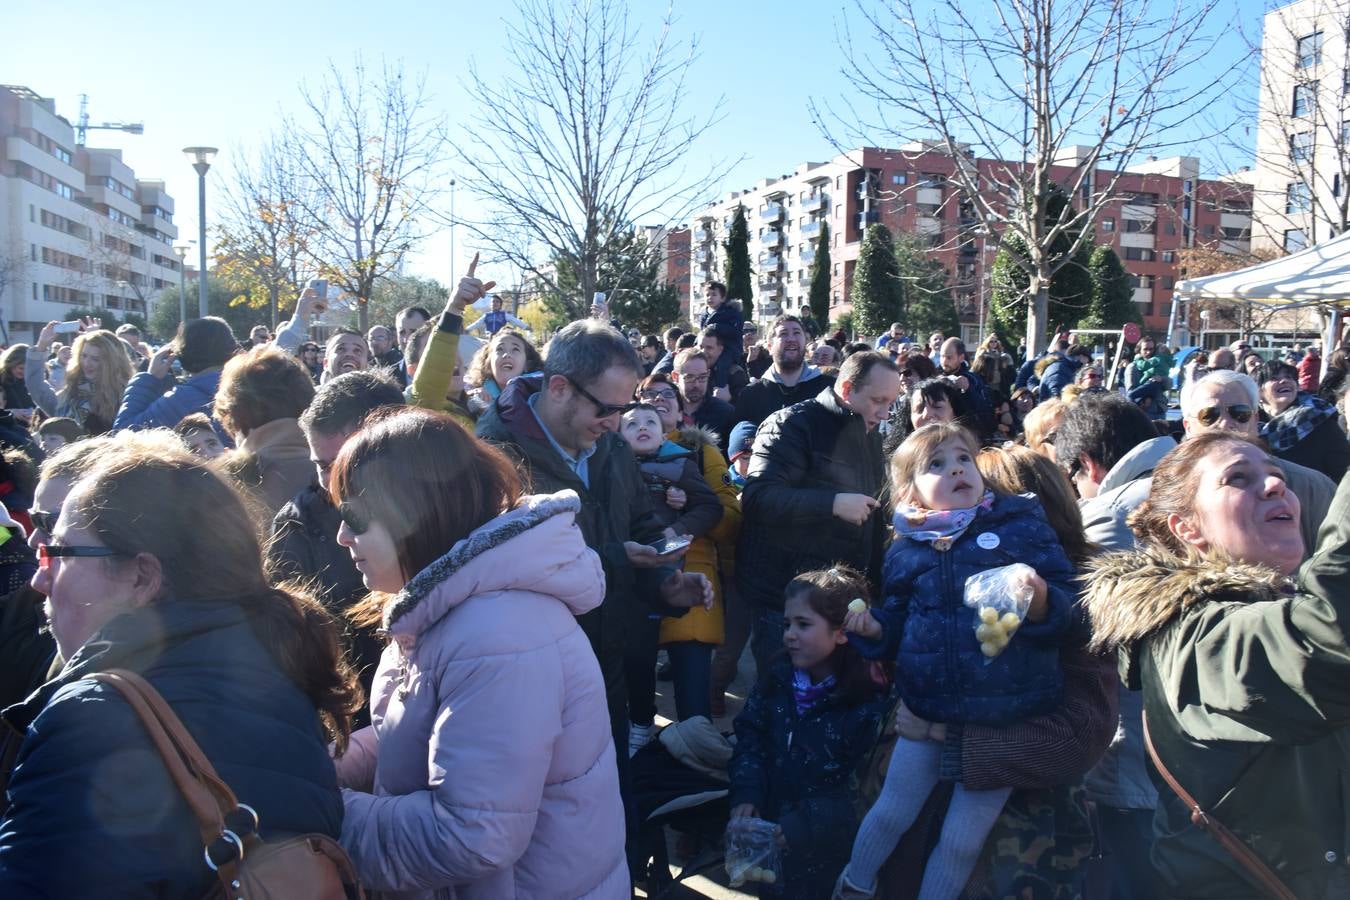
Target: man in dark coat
[789, 380]
[693, 376]
[304, 531]
[812, 496]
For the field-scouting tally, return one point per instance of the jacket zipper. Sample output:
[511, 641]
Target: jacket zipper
[949, 591]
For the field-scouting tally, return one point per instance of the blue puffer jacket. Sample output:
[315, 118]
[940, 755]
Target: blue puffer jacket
[1058, 375]
[92, 811]
[797, 770]
[940, 672]
[145, 403]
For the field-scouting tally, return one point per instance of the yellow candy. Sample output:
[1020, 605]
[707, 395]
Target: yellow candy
[1010, 622]
[988, 615]
[990, 650]
[857, 605]
[987, 632]
[770, 876]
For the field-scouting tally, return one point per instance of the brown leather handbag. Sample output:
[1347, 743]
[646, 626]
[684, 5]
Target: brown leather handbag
[308, 867]
[1269, 882]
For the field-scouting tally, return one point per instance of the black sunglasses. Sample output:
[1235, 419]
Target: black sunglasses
[1241, 413]
[602, 410]
[353, 517]
[48, 552]
[44, 521]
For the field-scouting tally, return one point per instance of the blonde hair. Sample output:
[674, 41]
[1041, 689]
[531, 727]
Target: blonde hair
[1020, 470]
[114, 373]
[1040, 423]
[918, 448]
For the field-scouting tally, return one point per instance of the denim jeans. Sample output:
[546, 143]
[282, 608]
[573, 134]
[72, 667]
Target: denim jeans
[691, 662]
[766, 641]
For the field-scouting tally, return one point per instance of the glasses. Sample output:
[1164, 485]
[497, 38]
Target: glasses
[49, 552]
[693, 379]
[353, 517]
[1240, 413]
[602, 410]
[666, 394]
[44, 521]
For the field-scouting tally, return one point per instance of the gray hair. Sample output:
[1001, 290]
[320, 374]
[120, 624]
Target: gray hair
[586, 349]
[1222, 378]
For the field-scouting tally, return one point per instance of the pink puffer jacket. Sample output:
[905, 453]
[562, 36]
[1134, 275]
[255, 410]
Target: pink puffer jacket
[490, 756]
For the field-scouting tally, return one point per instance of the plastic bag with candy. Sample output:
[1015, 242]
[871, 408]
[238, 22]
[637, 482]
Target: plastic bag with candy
[1000, 598]
[752, 851]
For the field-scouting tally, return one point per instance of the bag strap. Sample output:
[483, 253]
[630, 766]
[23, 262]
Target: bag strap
[1270, 883]
[209, 798]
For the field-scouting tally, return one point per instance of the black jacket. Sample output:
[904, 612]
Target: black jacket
[304, 546]
[88, 777]
[615, 507]
[765, 397]
[803, 457]
[717, 416]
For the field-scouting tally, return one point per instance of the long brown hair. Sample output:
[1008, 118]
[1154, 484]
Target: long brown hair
[1020, 470]
[829, 592]
[1176, 480]
[105, 395]
[207, 548]
[480, 368]
[424, 478]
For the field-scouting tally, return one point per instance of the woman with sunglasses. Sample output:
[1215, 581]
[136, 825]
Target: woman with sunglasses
[1299, 426]
[489, 769]
[176, 592]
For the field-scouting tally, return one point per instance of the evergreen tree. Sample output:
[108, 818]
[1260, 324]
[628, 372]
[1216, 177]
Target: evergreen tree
[629, 270]
[1112, 296]
[818, 299]
[737, 247]
[877, 295]
[926, 304]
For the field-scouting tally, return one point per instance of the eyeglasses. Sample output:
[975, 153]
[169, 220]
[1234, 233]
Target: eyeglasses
[1240, 412]
[49, 552]
[602, 410]
[353, 517]
[44, 521]
[693, 379]
[666, 394]
[905, 373]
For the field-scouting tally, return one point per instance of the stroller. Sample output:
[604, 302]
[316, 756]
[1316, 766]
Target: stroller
[680, 781]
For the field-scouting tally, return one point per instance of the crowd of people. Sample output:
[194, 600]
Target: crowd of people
[1019, 628]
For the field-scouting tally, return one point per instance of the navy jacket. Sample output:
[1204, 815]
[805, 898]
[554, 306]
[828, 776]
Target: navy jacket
[1058, 375]
[940, 672]
[93, 812]
[798, 771]
[151, 402]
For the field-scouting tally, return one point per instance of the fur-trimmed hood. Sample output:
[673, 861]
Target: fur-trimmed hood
[541, 551]
[694, 437]
[1132, 594]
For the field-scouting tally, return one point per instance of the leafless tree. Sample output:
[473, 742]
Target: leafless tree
[371, 151]
[1066, 93]
[263, 240]
[588, 138]
[13, 268]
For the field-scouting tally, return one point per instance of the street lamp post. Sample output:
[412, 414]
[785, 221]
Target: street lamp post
[181, 250]
[201, 162]
[454, 271]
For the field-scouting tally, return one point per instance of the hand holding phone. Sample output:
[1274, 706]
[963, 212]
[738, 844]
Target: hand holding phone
[671, 545]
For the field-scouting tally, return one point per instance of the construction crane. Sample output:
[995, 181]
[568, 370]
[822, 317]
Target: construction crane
[84, 127]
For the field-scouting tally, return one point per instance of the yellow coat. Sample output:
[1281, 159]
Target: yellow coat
[712, 554]
[431, 378]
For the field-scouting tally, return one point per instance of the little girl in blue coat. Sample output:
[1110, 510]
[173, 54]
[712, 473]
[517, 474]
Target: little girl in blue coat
[949, 527]
[805, 732]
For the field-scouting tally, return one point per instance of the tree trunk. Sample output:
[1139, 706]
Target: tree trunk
[362, 314]
[272, 305]
[1037, 312]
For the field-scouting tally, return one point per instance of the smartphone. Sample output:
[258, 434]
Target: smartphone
[320, 286]
[67, 328]
[671, 545]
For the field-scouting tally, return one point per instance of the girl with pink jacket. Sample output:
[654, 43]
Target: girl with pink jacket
[488, 769]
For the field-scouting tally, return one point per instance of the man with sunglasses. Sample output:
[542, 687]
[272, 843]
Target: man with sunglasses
[1225, 400]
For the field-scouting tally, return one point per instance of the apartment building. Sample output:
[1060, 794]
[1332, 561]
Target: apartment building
[1163, 206]
[672, 244]
[77, 227]
[1303, 126]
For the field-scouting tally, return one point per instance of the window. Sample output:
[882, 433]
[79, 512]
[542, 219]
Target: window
[932, 180]
[1141, 281]
[1297, 197]
[1300, 146]
[1170, 228]
[899, 178]
[1108, 224]
[1168, 282]
[1305, 98]
[1140, 226]
[1139, 254]
[1295, 240]
[1141, 198]
[1237, 234]
[1310, 50]
[1169, 256]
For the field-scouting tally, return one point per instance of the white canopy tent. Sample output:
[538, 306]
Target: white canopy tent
[1317, 276]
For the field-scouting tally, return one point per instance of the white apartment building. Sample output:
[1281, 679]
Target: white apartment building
[1302, 172]
[77, 228]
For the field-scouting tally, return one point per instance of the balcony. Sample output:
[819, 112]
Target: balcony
[701, 235]
[771, 238]
[769, 310]
[814, 202]
[808, 256]
[701, 255]
[769, 260]
[810, 229]
[771, 211]
[770, 287]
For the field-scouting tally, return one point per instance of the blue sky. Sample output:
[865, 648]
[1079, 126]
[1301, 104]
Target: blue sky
[223, 74]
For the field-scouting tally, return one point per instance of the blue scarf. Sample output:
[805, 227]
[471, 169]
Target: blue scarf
[939, 527]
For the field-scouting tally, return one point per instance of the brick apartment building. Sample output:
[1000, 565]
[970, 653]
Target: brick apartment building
[1164, 207]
